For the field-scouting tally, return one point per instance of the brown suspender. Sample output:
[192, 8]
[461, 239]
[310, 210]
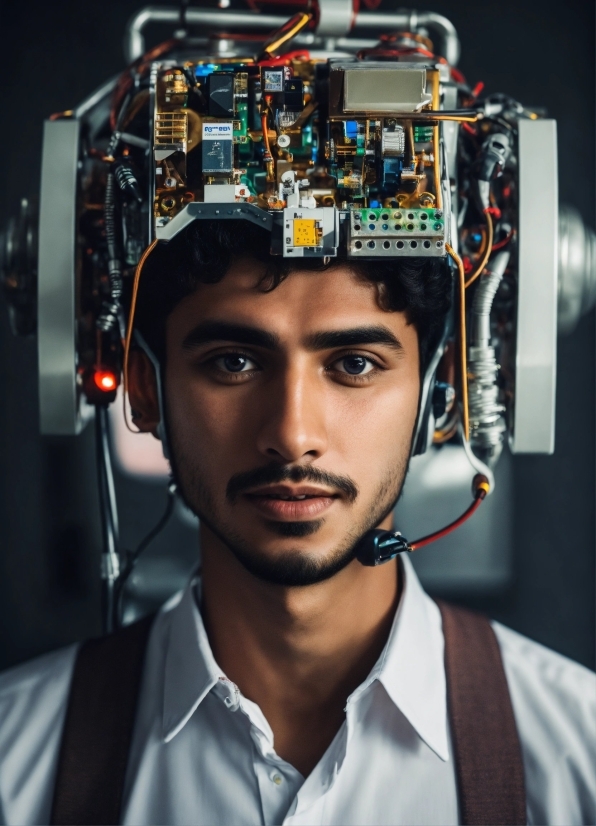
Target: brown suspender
[487, 751]
[103, 696]
[98, 728]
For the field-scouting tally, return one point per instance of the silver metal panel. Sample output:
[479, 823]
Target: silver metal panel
[536, 356]
[58, 404]
[388, 89]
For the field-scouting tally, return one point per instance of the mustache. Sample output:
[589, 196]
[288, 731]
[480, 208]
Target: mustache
[273, 474]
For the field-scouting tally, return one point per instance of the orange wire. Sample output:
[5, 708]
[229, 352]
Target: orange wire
[487, 251]
[463, 346]
[130, 326]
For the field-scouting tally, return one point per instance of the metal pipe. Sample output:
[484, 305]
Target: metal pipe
[487, 425]
[483, 300]
[411, 21]
[134, 40]
[242, 21]
[110, 560]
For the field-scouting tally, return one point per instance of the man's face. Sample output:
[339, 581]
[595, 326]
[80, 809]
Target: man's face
[290, 415]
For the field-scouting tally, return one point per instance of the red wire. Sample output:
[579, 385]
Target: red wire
[284, 59]
[426, 540]
[470, 129]
[500, 244]
[457, 75]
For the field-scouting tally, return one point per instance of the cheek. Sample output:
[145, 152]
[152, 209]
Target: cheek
[375, 428]
[205, 422]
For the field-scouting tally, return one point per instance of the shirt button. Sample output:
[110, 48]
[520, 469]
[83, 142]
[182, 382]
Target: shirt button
[276, 778]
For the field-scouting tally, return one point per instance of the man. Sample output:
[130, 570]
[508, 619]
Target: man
[289, 683]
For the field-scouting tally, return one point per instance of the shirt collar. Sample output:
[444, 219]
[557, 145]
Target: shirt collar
[410, 668]
[190, 668]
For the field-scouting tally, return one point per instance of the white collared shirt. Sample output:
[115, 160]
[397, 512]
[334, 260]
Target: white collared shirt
[204, 754]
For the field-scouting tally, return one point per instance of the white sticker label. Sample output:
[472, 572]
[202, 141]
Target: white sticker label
[218, 131]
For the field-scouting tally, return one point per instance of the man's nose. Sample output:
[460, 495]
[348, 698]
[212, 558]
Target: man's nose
[293, 421]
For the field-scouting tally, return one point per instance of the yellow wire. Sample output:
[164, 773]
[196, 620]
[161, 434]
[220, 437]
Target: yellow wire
[302, 20]
[130, 326]
[463, 344]
[487, 250]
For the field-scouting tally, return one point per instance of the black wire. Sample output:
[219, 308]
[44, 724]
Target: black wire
[148, 539]
[108, 515]
[133, 556]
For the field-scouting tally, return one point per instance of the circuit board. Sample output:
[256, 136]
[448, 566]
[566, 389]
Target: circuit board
[333, 152]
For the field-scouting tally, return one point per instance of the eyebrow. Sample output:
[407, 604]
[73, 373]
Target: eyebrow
[354, 337]
[210, 331]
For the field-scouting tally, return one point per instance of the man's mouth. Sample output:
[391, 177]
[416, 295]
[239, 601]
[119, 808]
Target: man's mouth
[291, 503]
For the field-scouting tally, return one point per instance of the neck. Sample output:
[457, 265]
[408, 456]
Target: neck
[296, 652]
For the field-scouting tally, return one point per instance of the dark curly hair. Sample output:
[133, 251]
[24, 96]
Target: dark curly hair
[203, 253]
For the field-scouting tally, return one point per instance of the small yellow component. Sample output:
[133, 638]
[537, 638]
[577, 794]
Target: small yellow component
[305, 232]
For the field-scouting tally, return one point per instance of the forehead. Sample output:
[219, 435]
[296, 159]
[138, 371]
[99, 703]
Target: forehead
[304, 301]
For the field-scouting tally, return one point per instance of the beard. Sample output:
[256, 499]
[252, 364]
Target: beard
[295, 567]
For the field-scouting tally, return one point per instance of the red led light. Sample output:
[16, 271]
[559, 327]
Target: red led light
[105, 380]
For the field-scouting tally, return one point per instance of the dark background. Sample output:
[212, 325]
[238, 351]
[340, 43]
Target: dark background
[55, 55]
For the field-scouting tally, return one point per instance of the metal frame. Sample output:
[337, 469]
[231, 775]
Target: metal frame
[337, 20]
[61, 409]
[536, 346]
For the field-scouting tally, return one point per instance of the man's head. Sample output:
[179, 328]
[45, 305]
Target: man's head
[291, 396]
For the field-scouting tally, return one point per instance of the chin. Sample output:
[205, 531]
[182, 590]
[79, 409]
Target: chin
[296, 567]
[295, 529]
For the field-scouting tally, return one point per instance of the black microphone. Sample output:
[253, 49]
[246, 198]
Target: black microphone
[377, 547]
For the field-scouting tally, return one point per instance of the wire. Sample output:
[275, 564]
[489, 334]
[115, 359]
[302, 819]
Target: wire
[487, 250]
[481, 488]
[133, 556]
[462, 340]
[478, 465]
[130, 326]
[287, 32]
[500, 244]
[110, 559]
[148, 539]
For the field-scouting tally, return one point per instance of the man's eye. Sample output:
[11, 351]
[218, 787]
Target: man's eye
[235, 363]
[354, 365]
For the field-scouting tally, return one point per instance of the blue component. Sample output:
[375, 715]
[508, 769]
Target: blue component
[375, 204]
[371, 226]
[385, 226]
[392, 168]
[351, 128]
[206, 69]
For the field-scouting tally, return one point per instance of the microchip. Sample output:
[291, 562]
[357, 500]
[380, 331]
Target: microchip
[273, 80]
[217, 148]
[220, 94]
[306, 233]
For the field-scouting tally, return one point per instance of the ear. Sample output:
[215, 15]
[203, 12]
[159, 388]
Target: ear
[142, 392]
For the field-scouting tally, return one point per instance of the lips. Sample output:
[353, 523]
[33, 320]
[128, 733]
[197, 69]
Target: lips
[291, 503]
